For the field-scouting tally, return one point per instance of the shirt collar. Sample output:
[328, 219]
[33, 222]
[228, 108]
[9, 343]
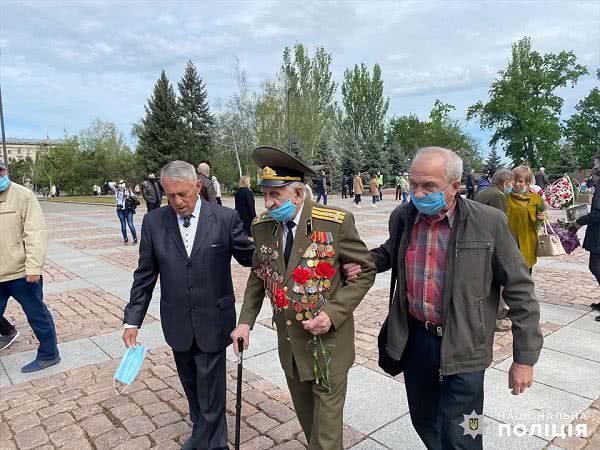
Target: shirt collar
[195, 212]
[449, 215]
[296, 219]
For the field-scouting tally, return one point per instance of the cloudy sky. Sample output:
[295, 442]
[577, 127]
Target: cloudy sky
[63, 64]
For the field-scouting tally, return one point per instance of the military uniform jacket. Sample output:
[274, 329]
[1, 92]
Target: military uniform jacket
[341, 244]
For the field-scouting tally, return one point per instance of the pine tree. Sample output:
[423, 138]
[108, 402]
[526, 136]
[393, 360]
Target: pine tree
[194, 111]
[160, 133]
[493, 162]
[374, 159]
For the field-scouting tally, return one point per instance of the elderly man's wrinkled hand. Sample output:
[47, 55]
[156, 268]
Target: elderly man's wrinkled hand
[242, 331]
[319, 325]
[520, 377]
[351, 270]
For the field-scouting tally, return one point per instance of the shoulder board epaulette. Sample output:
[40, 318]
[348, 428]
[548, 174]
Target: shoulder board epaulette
[331, 215]
[264, 217]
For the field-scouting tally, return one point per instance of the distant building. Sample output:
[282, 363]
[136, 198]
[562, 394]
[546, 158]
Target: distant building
[19, 149]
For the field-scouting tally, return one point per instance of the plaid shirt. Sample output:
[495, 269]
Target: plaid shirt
[426, 265]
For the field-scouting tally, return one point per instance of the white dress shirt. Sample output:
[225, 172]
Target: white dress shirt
[189, 234]
[296, 220]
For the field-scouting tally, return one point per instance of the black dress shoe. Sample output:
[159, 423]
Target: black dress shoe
[597, 318]
[595, 306]
[190, 444]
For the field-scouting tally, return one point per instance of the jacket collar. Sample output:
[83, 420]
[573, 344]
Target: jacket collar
[4, 194]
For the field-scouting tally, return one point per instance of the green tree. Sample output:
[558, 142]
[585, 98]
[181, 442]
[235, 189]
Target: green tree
[235, 131]
[60, 164]
[271, 127]
[406, 134]
[523, 108]
[363, 117]
[160, 132]
[310, 97]
[583, 128]
[443, 131]
[493, 162]
[21, 170]
[104, 156]
[195, 114]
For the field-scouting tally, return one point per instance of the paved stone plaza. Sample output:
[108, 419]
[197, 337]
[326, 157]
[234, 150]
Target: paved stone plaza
[87, 280]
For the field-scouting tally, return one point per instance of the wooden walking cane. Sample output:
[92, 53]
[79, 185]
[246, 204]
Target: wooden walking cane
[238, 401]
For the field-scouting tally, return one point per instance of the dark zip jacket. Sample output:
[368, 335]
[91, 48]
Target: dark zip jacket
[482, 257]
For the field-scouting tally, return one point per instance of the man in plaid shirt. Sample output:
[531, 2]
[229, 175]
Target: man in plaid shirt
[450, 257]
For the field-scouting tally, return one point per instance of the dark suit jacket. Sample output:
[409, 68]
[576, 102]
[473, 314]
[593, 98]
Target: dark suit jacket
[197, 299]
[244, 205]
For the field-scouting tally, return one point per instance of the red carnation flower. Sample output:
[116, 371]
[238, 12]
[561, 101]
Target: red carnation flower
[300, 275]
[280, 300]
[325, 270]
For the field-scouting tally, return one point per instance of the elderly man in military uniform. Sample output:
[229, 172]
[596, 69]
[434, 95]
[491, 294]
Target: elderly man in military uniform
[300, 250]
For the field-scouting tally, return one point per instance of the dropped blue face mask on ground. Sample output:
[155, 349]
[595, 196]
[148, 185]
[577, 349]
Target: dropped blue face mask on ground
[430, 204]
[4, 183]
[130, 366]
[284, 213]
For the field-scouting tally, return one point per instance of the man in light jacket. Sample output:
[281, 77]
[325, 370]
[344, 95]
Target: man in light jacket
[23, 249]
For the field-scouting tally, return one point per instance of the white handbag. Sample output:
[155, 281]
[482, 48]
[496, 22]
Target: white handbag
[548, 243]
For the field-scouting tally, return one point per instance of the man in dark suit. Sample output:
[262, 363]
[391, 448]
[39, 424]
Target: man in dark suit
[190, 244]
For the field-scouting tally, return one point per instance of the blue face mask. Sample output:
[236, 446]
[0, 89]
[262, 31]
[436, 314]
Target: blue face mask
[284, 213]
[130, 366]
[4, 183]
[430, 204]
[508, 189]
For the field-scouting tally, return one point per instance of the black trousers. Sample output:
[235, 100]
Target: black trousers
[437, 408]
[203, 378]
[6, 327]
[595, 265]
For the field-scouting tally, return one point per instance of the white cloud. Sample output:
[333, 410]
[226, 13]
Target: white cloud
[65, 63]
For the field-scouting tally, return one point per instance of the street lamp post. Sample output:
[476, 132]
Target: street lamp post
[4, 151]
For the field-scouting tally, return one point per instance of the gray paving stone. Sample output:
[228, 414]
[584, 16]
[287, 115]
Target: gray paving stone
[369, 444]
[529, 408]
[266, 366]
[588, 322]
[399, 434]
[262, 339]
[560, 315]
[373, 400]
[493, 440]
[563, 266]
[3, 375]
[150, 335]
[568, 373]
[576, 342]
[62, 286]
[266, 312]
[92, 268]
[73, 354]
